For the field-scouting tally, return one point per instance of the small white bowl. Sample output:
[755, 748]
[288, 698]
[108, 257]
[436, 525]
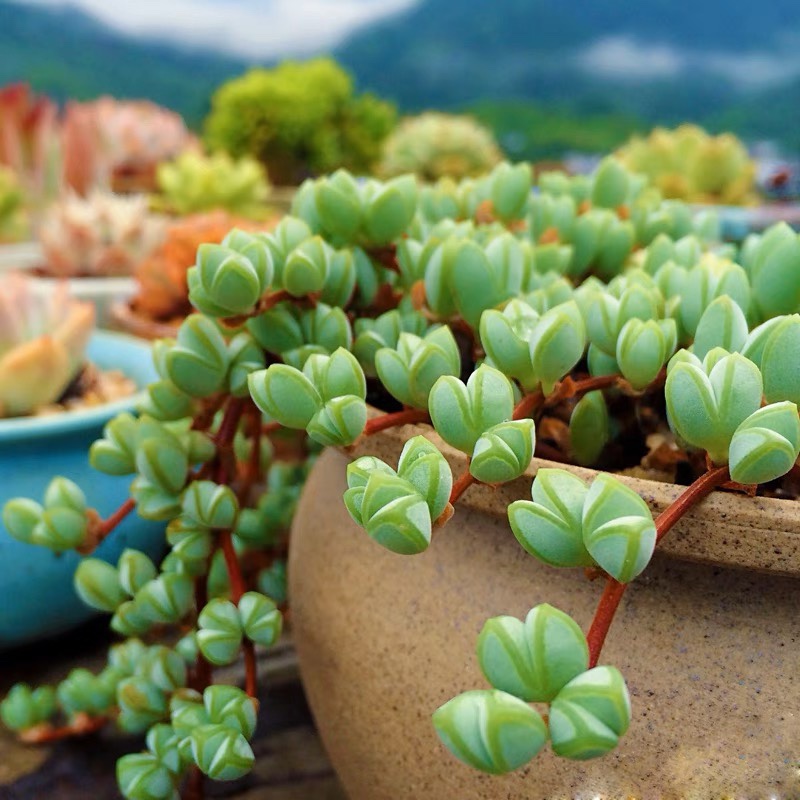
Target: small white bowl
[102, 292]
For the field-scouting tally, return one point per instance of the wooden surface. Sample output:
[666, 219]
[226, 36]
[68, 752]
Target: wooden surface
[290, 761]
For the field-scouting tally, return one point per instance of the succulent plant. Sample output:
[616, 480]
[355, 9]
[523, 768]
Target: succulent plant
[163, 293]
[29, 142]
[194, 183]
[298, 118]
[13, 219]
[569, 323]
[689, 164]
[42, 343]
[435, 145]
[103, 234]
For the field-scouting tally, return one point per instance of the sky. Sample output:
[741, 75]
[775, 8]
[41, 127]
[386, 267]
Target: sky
[249, 28]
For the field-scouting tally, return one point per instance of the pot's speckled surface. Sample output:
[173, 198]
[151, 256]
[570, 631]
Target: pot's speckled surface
[710, 653]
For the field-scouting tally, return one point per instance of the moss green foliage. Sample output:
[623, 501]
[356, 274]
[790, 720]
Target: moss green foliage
[299, 118]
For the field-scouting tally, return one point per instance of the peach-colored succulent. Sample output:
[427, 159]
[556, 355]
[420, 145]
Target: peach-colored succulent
[163, 293]
[101, 235]
[29, 141]
[137, 133]
[43, 337]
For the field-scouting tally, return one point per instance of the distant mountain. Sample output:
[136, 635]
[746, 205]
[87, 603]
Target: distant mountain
[655, 59]
[67, 53]
[539, 71]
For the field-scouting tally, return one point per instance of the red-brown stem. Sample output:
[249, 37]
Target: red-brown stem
[230, 421]
[250, 674]
[81, 725]
[465, 480]
[207, 413]
[527, 405]
[612, 594]
[233, 567]
[692, 495]
[195, 785]
[111, 522]
[593, 384]
[385, 256]
[408, 416]
[237, 590]
[203, 671]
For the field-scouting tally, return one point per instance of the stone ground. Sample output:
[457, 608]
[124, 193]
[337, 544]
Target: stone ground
[290, 761]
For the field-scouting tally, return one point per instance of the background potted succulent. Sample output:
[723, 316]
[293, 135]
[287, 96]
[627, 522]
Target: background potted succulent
[161, 300]
[194, 183]
[95, 243]
[124, 141]
[517, 327]
[60, 382]
[436, 145]
[689, 164]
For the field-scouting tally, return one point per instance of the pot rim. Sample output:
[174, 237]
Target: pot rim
[124, 316]
[726, 529]
[16, 428]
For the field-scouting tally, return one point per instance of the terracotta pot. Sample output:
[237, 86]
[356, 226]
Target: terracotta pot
[124, 318]
[709, 649]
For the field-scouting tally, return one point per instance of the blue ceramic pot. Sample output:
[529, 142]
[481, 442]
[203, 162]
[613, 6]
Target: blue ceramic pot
[37, 598]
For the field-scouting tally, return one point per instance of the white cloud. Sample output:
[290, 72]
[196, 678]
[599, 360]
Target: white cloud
[623, 58]
[252, 28]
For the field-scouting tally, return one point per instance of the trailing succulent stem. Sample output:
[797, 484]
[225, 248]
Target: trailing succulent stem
[589, 322]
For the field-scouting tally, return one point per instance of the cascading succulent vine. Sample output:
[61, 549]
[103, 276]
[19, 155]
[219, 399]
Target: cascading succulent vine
[568, 324]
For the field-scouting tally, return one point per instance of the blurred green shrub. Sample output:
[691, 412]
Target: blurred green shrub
[299, 118]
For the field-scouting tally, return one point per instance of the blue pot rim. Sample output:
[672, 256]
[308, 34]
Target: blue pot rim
[66, 422]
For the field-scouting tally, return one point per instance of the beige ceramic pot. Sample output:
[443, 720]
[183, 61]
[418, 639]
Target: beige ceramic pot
[708, 640]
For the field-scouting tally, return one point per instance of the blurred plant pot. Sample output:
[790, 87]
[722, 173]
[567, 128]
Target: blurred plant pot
[37, 598]
[20, 255]
[123, 317]
[103, 293]
[708, 648]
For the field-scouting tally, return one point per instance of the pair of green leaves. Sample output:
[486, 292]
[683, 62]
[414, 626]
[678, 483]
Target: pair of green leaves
[411, 368]
[536, 350]
[773, 264]
[707, 400]
[570, 524]
[398, 509]
[213, 730]
[222, 624]
[462, 276]
[294, 334]
[327, 397]
[543, 659]
[229, 278]
[373, 335]
[58, 523]
[368, 211]
[476, 419]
